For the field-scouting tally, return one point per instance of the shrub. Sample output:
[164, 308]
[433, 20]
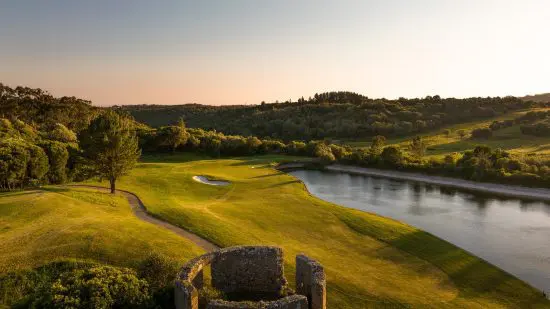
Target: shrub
[95, 287]
[324, 153]
[482, 133]
[158, 270]
[392, 156]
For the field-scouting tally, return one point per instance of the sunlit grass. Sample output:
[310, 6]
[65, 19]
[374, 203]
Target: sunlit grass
[369, 260]
[40, 226]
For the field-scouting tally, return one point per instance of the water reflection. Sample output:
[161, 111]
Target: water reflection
[511, 234]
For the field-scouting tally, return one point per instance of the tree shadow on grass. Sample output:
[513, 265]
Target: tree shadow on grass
[178, 157]
[284, 183]
[56, 189]
[18, 193]
[268, 175]
[472, 275]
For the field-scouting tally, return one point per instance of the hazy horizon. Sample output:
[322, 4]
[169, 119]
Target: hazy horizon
[245, 51]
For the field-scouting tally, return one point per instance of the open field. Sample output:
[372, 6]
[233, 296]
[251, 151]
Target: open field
[370, 261]
[510, 139]
[40, 226]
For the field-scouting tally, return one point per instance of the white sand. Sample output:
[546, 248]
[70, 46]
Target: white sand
[205, 180]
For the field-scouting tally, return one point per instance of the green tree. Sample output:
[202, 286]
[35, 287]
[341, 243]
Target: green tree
[392, 155]
[417, 147]
[173, 136]
[377, 145]
[61, 133]
[14, 158]
[111, 146]
[58, 157]
[38, 164]
[324, 152]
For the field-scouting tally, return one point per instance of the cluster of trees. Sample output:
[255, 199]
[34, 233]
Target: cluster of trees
[42, 110]
[330, 115]
[482, 163]
[535, 123]
[29, 157]
[537, 129]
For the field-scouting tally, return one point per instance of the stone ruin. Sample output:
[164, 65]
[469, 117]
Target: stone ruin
[256, 271]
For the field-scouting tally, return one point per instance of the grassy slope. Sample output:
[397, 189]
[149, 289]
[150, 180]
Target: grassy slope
[40, 226]
[509, 139]
[369, 260]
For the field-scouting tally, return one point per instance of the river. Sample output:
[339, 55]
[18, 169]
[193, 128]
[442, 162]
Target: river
[509, 233]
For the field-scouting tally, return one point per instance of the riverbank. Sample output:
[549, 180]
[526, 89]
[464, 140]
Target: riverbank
[493, 188]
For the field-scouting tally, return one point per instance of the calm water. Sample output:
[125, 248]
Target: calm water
[509, 233]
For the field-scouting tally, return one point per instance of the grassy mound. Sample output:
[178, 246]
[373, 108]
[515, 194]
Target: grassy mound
[370, 261]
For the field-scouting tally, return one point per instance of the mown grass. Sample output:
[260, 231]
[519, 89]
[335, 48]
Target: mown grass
[41, 226]
[370, 261]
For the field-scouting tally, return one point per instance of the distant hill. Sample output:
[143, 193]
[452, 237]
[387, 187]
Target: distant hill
[336, 115]
[543, 97]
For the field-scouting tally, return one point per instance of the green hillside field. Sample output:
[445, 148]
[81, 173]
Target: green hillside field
[370, 261]
[511, 139]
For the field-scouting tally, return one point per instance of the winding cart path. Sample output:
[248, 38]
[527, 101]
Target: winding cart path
[140, 211]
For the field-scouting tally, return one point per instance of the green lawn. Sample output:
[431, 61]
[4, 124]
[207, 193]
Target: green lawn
[370, 261]
[40, 226]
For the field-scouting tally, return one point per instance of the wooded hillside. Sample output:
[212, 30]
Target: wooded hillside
[331, 115]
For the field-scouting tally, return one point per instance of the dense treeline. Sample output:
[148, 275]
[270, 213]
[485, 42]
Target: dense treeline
[480, 164]
[330, 115]
[40, 109]
[29, 157]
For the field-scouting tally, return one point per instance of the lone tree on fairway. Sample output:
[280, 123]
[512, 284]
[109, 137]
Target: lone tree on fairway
[111, 146]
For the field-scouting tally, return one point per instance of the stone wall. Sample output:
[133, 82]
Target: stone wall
[248, 270]
[189, 280]
[311, 281]
[253, 270]
[289, 302]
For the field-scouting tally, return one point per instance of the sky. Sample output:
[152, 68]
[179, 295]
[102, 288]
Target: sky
[248, 51]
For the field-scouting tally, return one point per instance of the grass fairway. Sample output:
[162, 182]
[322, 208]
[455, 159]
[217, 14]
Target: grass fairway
[370, 261]
[37, 227]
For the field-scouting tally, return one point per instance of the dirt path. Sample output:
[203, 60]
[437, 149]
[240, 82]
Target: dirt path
[504, 190]
[140, 211]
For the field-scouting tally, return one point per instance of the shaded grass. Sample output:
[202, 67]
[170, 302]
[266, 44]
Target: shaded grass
[370, 261]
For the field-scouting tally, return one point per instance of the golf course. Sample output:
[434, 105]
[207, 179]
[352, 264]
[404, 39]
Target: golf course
[370, 261]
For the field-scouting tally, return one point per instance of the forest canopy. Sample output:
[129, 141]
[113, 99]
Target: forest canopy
[340, 115]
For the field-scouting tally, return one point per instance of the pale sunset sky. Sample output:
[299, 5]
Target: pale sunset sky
[247, 51]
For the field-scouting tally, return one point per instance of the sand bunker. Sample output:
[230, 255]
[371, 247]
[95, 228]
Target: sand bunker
[205, 180]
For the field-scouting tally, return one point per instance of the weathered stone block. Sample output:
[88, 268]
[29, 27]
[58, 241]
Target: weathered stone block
[311, 281]
[289, 302]
[186, 296]
[249, 269]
